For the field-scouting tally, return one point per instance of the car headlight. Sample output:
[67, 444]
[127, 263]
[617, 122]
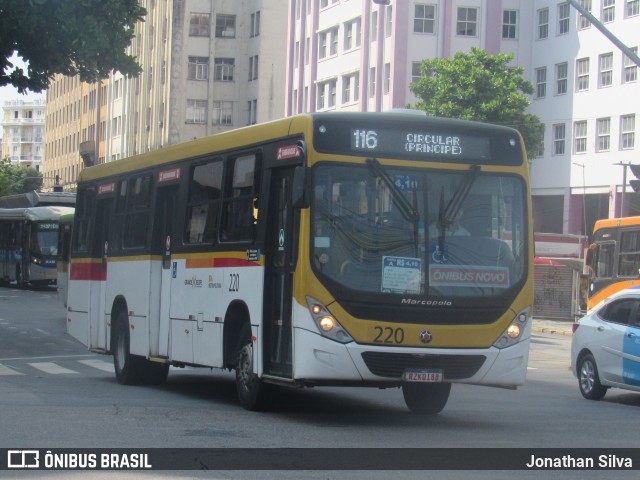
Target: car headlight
[513, 333]
[327, 324]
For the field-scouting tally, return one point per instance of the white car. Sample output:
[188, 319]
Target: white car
[605, 348]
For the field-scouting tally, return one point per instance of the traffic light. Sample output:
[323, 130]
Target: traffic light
[635, 184]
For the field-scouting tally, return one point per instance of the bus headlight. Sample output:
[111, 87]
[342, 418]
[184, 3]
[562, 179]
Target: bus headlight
[513, 333]
[327, 324]
[36, 261]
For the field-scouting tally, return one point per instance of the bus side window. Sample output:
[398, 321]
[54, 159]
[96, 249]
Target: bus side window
[241, 198]
[203, 206]
[85, 207]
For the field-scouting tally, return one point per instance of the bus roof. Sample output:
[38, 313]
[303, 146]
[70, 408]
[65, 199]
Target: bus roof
[38, 199]
[273, 130]
[616, 222]
[35, 213]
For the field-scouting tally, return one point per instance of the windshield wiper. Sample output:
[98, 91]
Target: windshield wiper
[406, 209]
[449, 213]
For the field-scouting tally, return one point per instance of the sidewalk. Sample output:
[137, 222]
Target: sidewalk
[559, 327]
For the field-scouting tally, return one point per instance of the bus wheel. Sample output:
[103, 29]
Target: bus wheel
[128, 367]
[426, 398]
[252, 393]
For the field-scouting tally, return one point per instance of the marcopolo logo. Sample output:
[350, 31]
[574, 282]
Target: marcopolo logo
[23, 459]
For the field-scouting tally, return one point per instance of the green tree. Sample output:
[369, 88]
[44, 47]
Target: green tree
[70, 37]
[15, 179]
[482, 87]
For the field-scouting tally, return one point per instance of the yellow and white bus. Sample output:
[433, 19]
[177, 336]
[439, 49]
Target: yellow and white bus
[355, 249]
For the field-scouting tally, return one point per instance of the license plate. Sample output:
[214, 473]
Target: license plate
[426, 376]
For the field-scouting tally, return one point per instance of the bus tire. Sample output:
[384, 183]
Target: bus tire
[128, 368]
[252, 392]
[588, 379]
[426, 398]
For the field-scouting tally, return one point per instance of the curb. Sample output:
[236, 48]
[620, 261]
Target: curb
[556, 331]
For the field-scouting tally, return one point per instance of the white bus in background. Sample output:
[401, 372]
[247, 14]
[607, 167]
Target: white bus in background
[29, 244]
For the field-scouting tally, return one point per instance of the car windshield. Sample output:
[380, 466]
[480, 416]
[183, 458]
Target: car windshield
[418, 232]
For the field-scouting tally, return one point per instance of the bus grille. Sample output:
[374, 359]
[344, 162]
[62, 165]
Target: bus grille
[393, 365]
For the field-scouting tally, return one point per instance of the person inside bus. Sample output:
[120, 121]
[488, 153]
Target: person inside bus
[454, 229]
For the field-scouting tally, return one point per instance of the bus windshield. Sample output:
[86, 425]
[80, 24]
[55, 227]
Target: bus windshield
[44, 240]
[425, 233]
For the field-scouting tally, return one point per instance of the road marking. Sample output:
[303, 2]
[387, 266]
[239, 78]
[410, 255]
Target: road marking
[42, 331]
[4, 370]
[99, 364]
[52, 368]
[47, 358]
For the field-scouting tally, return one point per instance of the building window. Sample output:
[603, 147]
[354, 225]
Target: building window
[196, 111]
[561, 78]
[387, 78]
[374, 26]
[327, 43]
[633, 8]
[388, 21]
[558, 139]
[582, 74]
[467, 23]
[252, 112]
[583, 21]
[416, 74]
[352, 34]
[543, 23]
[225, 26]
[223, 69]
[326, 94]
[509, 24]
[222, 113]
[563, 18]
[350, 88]
[541, 82]
[605, 70]
[580, 137]
[630, 68]
[254, 28]
[198, 68]
[424, 18]
[608, 11]
[372, 81]
[603, 134]
[627, 131]
[253, 68]
[199, 25]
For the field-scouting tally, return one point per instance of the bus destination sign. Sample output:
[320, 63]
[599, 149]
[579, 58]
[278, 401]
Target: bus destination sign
[394, 141]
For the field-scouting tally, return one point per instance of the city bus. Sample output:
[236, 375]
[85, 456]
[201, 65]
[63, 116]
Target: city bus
[29, 244]
[65, 224]
[613, 258]
[384, 250]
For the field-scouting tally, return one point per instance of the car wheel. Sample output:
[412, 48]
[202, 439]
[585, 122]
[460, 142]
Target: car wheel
[588, 380]
[426, 398]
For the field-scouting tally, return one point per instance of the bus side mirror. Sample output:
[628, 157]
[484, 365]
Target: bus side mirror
[299, 190]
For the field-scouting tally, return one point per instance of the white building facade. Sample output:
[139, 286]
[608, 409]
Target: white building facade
[362, 55]
[23, 132]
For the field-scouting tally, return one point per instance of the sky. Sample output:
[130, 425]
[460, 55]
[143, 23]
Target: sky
[11, 93]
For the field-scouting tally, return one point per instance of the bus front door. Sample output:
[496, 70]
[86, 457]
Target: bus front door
[280, 259]
[98, 312]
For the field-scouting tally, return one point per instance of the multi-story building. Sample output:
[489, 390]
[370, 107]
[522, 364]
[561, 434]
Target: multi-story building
[363, 54]
[23, 124]
[208, 66]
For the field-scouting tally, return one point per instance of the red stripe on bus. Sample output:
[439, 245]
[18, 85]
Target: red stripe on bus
[88, 271]
[219, 262]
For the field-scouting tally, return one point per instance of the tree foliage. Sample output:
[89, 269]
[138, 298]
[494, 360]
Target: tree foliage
[482, 87]
[70, 37]
[15, 179]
